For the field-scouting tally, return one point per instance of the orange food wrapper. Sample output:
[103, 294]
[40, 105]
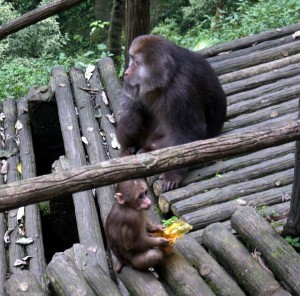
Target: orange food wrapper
[177, 229]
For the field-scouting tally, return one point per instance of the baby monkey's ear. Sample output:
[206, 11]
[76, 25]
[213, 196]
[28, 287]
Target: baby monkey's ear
[119, 198]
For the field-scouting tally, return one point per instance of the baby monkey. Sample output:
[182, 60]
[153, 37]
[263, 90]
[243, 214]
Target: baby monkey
[128, 230]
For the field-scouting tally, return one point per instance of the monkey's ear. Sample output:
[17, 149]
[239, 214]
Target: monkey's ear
[119, 198]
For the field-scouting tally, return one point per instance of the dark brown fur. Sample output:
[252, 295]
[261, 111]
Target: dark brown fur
[128, 229]
[171, 96]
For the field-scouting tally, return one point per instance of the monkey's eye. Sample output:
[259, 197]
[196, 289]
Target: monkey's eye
[141, 196]
[137, 63]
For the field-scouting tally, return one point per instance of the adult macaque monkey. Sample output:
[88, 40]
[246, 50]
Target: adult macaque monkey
[128, 230]
[171, 96]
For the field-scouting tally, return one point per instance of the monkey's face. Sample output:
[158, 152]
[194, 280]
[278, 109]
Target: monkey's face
[151, 66]
[133, 193]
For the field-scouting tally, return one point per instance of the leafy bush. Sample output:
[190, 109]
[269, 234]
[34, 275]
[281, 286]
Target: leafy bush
[18, 75]
[33, 41]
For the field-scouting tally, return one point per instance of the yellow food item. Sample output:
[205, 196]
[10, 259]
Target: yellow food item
[176, 230]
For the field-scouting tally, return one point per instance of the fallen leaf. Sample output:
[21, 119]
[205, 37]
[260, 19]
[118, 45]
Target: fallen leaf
[24, 241]
[6, 235]
[114, 142]
[84, 140]
[296, 34]
[104, 98]
[18, 125]
[19, 168]
[111, 118]
[4, 167]
[89, 72]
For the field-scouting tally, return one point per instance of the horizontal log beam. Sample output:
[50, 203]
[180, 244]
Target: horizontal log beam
[50, 186]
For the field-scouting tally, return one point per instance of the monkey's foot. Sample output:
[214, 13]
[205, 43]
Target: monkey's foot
[170, 180]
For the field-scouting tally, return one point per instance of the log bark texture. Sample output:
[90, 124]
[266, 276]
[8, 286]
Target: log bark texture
[236, 258]
[221, 212]
[221, 283]
[182, 277]
[248, 173]
[85, 260]
[16, 251]
[280, 257]
[292, 226]
[250, 40]
[36, 15]
[85, 209]
[33, 224]
[49, 186]
[23, 284]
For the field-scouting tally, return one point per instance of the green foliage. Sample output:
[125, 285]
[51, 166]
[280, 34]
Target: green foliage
[170, 221]
[18, 75]
[293, 241]
[236, 19]
[33, 41]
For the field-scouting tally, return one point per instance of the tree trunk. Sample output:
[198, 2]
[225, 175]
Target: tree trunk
[137, 21]
[36, 15]
[292, 225]
[115, 29]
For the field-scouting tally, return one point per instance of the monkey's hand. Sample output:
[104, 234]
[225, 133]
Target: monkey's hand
[163, 242]
[155, 228]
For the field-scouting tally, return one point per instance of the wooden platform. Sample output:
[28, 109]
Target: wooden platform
[71, 122]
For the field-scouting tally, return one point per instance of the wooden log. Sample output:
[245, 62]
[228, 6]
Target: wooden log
[90, 130]
[292, 227]
[268, 123]
[107, 126]
[232, 191]
[259, 69]
[224, 166]
[250, 40]
[248, 173]
[236, 258]
[182, 277]
[24, 283]
[16, 251]
[112, 83]
[251, 105]
[86, 262]
[263, 56]
[215, 276]
[33, 224]
[261, 79]
[141, 165]
[36, 15]
[257, 47]
[268, 212]
[221, 212]
[280, 257]
[65, 278]
[85, 209]
[3, 265]
[282, 84]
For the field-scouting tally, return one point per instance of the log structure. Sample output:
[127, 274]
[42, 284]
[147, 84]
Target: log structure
[59, 163]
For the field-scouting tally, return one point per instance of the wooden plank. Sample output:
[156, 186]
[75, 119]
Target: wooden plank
[221, 212]
[85, 209]
[247, 173]
[250, 40]
[33, 223]
[280, 257]
[235, 257]
[212, 272]
[232, 192]
[16, 251]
